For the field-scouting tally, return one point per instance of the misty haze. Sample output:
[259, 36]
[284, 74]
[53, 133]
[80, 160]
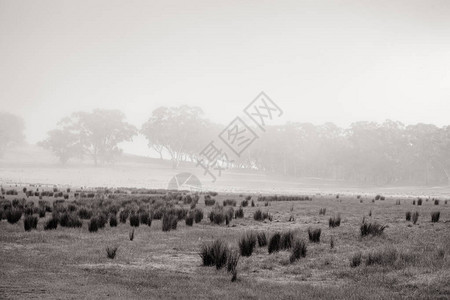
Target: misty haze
[206, 150]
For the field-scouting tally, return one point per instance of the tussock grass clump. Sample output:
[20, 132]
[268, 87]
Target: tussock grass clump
[123, 216]
[415, 217]
[332, 242]
[13, 215]
[373, 229]
[70, 220]
[436, 202]
[435, 216]
[214, 254]
[113, 221]
[217, 215]
[232, 262]
[190, 219]
[131, 235]
[229, 202]
[30, 222]
[334, 221]
[52, 223]
[274, 243]
[102, 218]
[385, 257]
[42, 212]
[414, 202]
[261, 216]
[198, 215]
[314, 235]
[93, 224]
[298, 250]
[111, 252]
[209, 201]
[397, 202]
[247, 243]
[239, 213]
[419, 202]
[356, 260]
[169, 222]
[287, 239]
[408, 216]
[145, 218]
[322, 211]
[244, 203]
[262, 239]
[134, 220]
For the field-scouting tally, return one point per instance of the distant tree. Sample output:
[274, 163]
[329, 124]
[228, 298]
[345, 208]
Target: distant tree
[97, 133]
[64, 144]
[179, 131]
[11, 130]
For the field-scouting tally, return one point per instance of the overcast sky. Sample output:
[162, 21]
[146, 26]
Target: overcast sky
[337, 61]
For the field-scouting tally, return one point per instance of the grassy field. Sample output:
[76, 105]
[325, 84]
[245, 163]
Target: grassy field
[413, 259]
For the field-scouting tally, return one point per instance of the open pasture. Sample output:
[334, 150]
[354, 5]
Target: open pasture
[330, 246]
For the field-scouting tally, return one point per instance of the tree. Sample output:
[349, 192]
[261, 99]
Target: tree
[64, 144]
[11, 130]
[97, 133]
[180, 131]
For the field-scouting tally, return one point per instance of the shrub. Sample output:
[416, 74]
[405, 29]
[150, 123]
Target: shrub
[262, 239]
[113, 221]
[30, 222]
[435, 216]
[287, 238]
[371, 228]
[84, 213]
[51, 224]
[229, 202]
[169, 222]
[131, 234]
[322, 211]
[190, 219]
[408, 216]
[123, 215]
[298, 250]
[93, 224]
[415, 217]
[314, 235]
[275, 243]
[355, 260]
[239, 213]
[13, 215]
[198, 215]
[134, 220]
[232, 262]
[111, 252]
[247, 243]
[334, 221]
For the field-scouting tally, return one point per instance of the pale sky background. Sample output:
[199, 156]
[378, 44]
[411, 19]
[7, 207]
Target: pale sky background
[336, 61]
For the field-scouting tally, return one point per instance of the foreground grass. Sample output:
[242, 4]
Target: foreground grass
[71, 262]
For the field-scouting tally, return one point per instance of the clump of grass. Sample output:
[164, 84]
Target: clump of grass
[261, 216]
[30, 222]
[415, 217]
[408, 216]
[247, 243]
[232, 262]
[436, 202]
[298, 250]
[134, 220]
[419, 202]
[397, 202]
[214, 254]
[93, 224]
[70, 220]
[244, 203]
[334, 221]
[253, 203]
[52, 223]
[435, 216]
[198, 215]
[414, 202]
[373, 229]
[111, 252]
[287, 239]
[314, 235]
[274, 243]
[386, 256]
[370, 213]
[262, 239]
[113, 221]
[42, 212]
[169, 222]
[217, 215]
[355, 260]
[229, 202]
[209, 201]
[13, 215]
[190, 219]
[322, 211]
[239, 213]
[332, 242]
[131, 235]
[145, 218]
[123, 216]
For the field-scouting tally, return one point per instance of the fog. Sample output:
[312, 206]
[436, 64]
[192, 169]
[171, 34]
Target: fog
[329, 61]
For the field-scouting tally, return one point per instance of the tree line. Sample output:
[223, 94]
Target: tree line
[366, 152]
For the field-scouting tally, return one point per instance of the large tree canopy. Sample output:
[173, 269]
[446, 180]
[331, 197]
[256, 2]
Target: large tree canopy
[11, 130]
[96, 133]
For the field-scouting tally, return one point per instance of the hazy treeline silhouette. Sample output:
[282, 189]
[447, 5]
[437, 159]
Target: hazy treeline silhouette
[367, 152]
